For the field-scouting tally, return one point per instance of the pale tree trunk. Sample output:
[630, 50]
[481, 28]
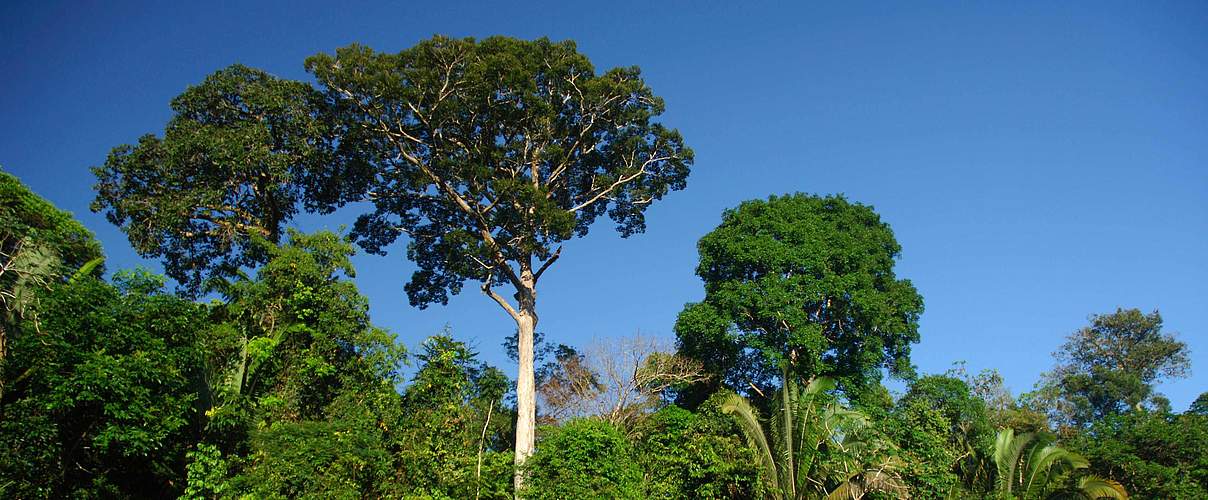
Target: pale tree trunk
[526, 395]
[525, 315]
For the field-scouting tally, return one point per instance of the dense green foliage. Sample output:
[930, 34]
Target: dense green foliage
[812, 447]
[584, 459]
[37, 237]
[1032, 465]
[804, 283]
[230, 167]
[315, 460]
[686, 454]
[101, 399]
[488, 154]
[39, 245]
[943, 431]
[294, 368]
[456, 426]
[1153, 454]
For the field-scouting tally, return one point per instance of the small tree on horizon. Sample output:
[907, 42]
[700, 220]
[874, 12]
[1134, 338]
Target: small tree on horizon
[1112, 367]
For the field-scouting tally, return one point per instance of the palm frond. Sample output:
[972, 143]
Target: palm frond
[748, 421]
[1046, 464]
[87, 269]
[1095, 487]
[1008, 450]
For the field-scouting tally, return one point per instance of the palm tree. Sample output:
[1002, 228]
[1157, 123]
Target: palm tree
[1032, 466]
[816, 449]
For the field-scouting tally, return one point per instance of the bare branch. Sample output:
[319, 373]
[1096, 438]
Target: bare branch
[619, 380]
[486, 288]
[547, 263]
[620, 182]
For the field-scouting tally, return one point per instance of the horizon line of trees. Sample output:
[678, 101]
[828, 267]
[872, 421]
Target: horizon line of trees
[283, 388]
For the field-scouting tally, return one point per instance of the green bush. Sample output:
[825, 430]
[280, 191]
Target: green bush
[316, 460]
[583, 459]
[695, 455]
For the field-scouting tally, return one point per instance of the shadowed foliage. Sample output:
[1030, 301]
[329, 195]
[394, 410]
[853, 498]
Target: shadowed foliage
[229, 168]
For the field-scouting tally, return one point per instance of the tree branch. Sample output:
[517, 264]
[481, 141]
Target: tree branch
[486, 288]
[547, 263]
[619, 182]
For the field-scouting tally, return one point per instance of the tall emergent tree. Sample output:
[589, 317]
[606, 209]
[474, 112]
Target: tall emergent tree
[230, 167]
[801, 286]
[489, 154]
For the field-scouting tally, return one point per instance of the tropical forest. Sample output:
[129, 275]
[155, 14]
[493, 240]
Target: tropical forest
[423, 269]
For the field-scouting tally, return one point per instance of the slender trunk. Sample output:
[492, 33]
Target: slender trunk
[3, 355]
[526, 395]
[482, 443]
[787, 398]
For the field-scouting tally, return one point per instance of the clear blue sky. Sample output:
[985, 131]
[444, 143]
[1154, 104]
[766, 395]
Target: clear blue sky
[1039, 162]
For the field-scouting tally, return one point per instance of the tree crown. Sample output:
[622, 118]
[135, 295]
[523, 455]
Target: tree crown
[803, 281]
[231, 166]
[489, 153]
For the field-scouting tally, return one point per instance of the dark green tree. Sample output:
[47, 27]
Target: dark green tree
[1154, 454]
[801, 286]
[290, 342]
[489, 154]
[699, 454]
[1112, 366]
[229, 168]
[316, 460]
[300, 387]
[929, 458]
[1200, 405]
[103, 395]
[39, 245]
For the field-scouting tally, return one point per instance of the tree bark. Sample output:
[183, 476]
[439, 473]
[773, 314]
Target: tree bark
[526, 395]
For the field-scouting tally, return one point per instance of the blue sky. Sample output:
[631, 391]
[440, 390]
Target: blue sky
[1039, 162]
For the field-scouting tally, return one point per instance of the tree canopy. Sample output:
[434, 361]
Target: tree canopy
[241, 152]
[489, 153]
[803, 283]
[1153, 454]
[40, 245]
[1111, 367]
[100, 400]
